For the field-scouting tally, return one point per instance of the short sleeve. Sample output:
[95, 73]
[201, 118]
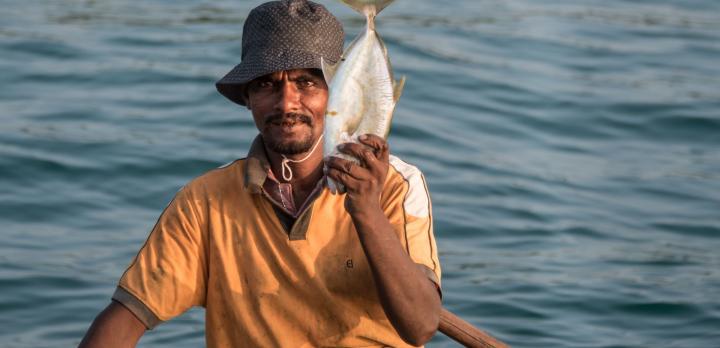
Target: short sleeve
[407, 204]
[168, 275]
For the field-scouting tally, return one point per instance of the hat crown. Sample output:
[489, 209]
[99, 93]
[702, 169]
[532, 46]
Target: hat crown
[280, 27]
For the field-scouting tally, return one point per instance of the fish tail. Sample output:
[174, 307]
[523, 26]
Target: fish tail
[369, 8]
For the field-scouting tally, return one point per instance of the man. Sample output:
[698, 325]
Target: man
[274, 257]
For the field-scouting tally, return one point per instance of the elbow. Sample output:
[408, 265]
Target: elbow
[420, 336]
[423, 330]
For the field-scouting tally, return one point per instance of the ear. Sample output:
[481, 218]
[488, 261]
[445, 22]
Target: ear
[247, 104]
[246, 97]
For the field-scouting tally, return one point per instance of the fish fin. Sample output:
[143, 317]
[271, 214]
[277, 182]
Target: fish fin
[398, 88]
[368, 7]
[329, 69]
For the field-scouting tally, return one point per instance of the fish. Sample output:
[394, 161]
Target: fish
[362, 90]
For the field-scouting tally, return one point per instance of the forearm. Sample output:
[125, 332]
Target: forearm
[410, 300]
[114, 327]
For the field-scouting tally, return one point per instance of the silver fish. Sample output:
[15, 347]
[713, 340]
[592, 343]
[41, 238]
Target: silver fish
[363, 92]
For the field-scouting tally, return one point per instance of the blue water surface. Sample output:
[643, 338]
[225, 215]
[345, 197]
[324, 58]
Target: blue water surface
[570, 147]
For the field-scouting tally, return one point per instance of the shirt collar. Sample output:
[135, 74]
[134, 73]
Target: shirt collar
[258, 166]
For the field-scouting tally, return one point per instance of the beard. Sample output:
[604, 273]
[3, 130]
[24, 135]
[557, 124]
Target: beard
[289, 146]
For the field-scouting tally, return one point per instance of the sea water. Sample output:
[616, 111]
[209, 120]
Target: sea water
[570, 147]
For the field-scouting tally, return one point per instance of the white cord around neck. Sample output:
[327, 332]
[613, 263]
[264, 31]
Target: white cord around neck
[285, 162]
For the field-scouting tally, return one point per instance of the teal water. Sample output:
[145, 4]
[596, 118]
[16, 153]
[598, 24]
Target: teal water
[571, 150]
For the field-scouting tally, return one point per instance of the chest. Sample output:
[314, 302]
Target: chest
[251, 253]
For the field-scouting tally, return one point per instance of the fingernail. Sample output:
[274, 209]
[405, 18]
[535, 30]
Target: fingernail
[363, 137]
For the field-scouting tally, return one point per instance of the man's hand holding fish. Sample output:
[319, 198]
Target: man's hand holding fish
[365, 179]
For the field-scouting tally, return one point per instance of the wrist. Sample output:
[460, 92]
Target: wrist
[366, 212]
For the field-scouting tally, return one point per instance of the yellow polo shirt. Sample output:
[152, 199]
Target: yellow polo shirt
[220, 244]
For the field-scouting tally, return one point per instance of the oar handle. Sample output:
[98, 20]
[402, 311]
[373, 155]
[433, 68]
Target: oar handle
[466, 334]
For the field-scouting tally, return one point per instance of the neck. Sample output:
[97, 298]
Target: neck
[305, 174]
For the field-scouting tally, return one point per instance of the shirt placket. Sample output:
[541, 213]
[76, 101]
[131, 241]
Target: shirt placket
[286, 197]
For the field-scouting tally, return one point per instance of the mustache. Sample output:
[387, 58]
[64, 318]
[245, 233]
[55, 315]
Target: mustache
[280, 118]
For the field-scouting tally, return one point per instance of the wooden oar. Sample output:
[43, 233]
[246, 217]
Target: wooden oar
[466, 334]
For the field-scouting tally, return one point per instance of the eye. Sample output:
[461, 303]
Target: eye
[264, 84]
[305, 83]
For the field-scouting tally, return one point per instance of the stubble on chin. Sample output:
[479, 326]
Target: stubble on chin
[289, 146]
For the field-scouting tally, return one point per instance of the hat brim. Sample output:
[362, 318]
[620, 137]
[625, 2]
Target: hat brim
[233, 84]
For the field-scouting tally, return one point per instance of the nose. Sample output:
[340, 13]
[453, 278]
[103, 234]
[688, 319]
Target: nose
[288, 97]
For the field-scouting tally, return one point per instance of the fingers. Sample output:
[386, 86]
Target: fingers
[346, 168]
[370, 173]
[364, 153]
[378, 144]
[343, 178]
[348, 173]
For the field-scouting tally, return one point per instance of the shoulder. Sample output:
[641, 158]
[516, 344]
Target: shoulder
[408, 184]
[224, 178]
[404, 169]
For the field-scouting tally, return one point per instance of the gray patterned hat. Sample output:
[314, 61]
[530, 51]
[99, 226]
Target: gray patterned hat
[283, 35]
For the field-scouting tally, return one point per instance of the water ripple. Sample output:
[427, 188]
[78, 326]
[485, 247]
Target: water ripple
[570, 150]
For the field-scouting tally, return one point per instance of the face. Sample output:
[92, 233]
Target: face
[289, 109]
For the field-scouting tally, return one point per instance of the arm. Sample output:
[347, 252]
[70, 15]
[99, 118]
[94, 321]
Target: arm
[410, 300]
[115, 326]
[166, 278]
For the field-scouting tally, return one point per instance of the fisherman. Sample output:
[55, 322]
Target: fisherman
[273, 256]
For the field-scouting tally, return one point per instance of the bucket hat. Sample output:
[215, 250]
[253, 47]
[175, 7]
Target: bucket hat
[283, 35]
